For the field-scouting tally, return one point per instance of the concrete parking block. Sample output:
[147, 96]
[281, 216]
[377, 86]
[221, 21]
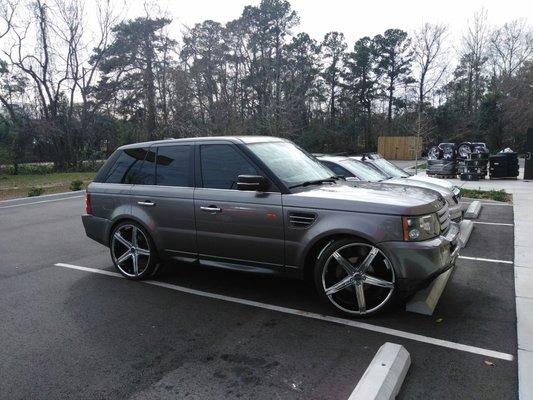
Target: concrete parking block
[524, 311]
[473, 210]
[384, 376]
[523, 282]
[425, 301]
[525, 387]
[466, 227]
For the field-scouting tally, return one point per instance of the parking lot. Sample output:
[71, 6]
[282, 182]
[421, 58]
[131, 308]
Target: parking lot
[79, 330]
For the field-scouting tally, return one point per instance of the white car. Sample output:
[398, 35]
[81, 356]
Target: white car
[353, 169]
[392, 171]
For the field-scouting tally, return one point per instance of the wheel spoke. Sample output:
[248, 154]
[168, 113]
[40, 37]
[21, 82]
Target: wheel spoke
[124, 257]
[143, 252]
[345, 264]
[372, 280]
[363, 266]
[134, 236]
[121, 239]
[338, 286]
[360, 294]
[135, 259]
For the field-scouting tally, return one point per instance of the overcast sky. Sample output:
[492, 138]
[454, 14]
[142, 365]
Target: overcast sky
[354, 18]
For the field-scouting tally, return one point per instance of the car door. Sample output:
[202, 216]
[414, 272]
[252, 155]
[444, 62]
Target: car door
[235, 226]
[162, 197]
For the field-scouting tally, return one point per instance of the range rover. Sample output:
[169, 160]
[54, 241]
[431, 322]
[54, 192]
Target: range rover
[261, 204]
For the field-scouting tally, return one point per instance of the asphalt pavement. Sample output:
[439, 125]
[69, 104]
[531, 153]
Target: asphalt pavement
[69, 333]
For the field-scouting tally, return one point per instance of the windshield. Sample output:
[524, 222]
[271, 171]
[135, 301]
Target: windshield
[364, 172]
[390, 169]
[292, 165]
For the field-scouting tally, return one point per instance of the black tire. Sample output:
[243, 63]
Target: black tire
[147, 265]
[328, 272]
[449, 151]
[464, 150]
[434, 153]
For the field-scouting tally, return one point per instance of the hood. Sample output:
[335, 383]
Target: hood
[365, 197]
[444, 192]
[434, 181]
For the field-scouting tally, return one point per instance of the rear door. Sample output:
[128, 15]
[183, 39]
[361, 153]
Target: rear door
[162, 197]
[235, 226]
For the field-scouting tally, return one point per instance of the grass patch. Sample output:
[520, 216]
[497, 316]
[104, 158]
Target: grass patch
[12, 186]
[496, 195]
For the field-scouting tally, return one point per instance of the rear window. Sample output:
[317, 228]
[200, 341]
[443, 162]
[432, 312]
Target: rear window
[126, 163]
[173, 165]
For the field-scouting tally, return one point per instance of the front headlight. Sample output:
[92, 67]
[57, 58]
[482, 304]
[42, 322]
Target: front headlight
[456, 191]
[420, 228]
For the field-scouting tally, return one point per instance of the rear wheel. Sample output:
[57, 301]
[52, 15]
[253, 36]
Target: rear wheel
[355, 277]
[133, 251]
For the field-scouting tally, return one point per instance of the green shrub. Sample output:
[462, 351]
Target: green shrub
[35, 191]
[76, 185]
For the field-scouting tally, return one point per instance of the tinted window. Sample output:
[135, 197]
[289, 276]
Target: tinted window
[173, 165]
[143, 173]
[337, 169]
[126, 163]
[222, 164]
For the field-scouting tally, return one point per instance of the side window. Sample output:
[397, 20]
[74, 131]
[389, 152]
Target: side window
[127, 161]
[143, 173]
[173, 165]
[222, 164]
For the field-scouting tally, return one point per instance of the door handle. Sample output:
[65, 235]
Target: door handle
[211, 209]
[146, 203]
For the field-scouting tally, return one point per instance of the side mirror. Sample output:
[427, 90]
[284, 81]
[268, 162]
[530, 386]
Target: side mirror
[252, 182]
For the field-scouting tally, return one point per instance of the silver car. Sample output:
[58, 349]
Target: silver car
[263, 205]
[378, 171]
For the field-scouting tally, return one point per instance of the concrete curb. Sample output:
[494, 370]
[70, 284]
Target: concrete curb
[384, 376]
[466, 227]
[473, 210]
[425, 301]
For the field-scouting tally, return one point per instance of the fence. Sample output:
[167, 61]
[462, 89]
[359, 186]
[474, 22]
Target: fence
[399, 147]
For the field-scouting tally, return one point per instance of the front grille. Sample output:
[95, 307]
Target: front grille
[301, 220]
[444, 219]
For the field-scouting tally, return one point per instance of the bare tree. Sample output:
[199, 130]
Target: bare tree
[510, 46]
[474, 54]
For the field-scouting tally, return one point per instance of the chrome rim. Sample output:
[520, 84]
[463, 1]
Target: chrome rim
[358, 278]
[130, 250]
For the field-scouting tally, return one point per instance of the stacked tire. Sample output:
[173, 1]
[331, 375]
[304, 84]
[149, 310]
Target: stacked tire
[442, 160]
[503, 165]
[473, 161]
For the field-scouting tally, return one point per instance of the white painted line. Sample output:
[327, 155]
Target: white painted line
[307, 314]
[39, 202]
[384, 376]
[492, 223]
[473, 210]
[486, 259]
[43, 195]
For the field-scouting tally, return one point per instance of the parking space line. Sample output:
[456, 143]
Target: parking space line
[486, 259]
[39, 202]
[312, 315]
[492, 223]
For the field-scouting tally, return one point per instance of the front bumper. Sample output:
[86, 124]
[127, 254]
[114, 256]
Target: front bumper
[418, 263]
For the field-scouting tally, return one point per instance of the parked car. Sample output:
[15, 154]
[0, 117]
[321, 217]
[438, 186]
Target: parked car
[377, 161]
[261, 204]
[353, 169]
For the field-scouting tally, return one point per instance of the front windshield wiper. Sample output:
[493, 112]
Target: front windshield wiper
[331, 179]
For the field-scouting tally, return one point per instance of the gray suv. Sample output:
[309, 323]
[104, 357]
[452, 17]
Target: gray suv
[263, 205]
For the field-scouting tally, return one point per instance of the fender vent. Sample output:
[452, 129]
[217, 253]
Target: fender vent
[301, 220]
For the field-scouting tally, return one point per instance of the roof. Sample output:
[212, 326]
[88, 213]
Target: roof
[232, 139]
[333, 158]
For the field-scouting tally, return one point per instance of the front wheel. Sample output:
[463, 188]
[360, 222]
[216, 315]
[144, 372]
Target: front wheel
[355, 277]
[133, 251]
